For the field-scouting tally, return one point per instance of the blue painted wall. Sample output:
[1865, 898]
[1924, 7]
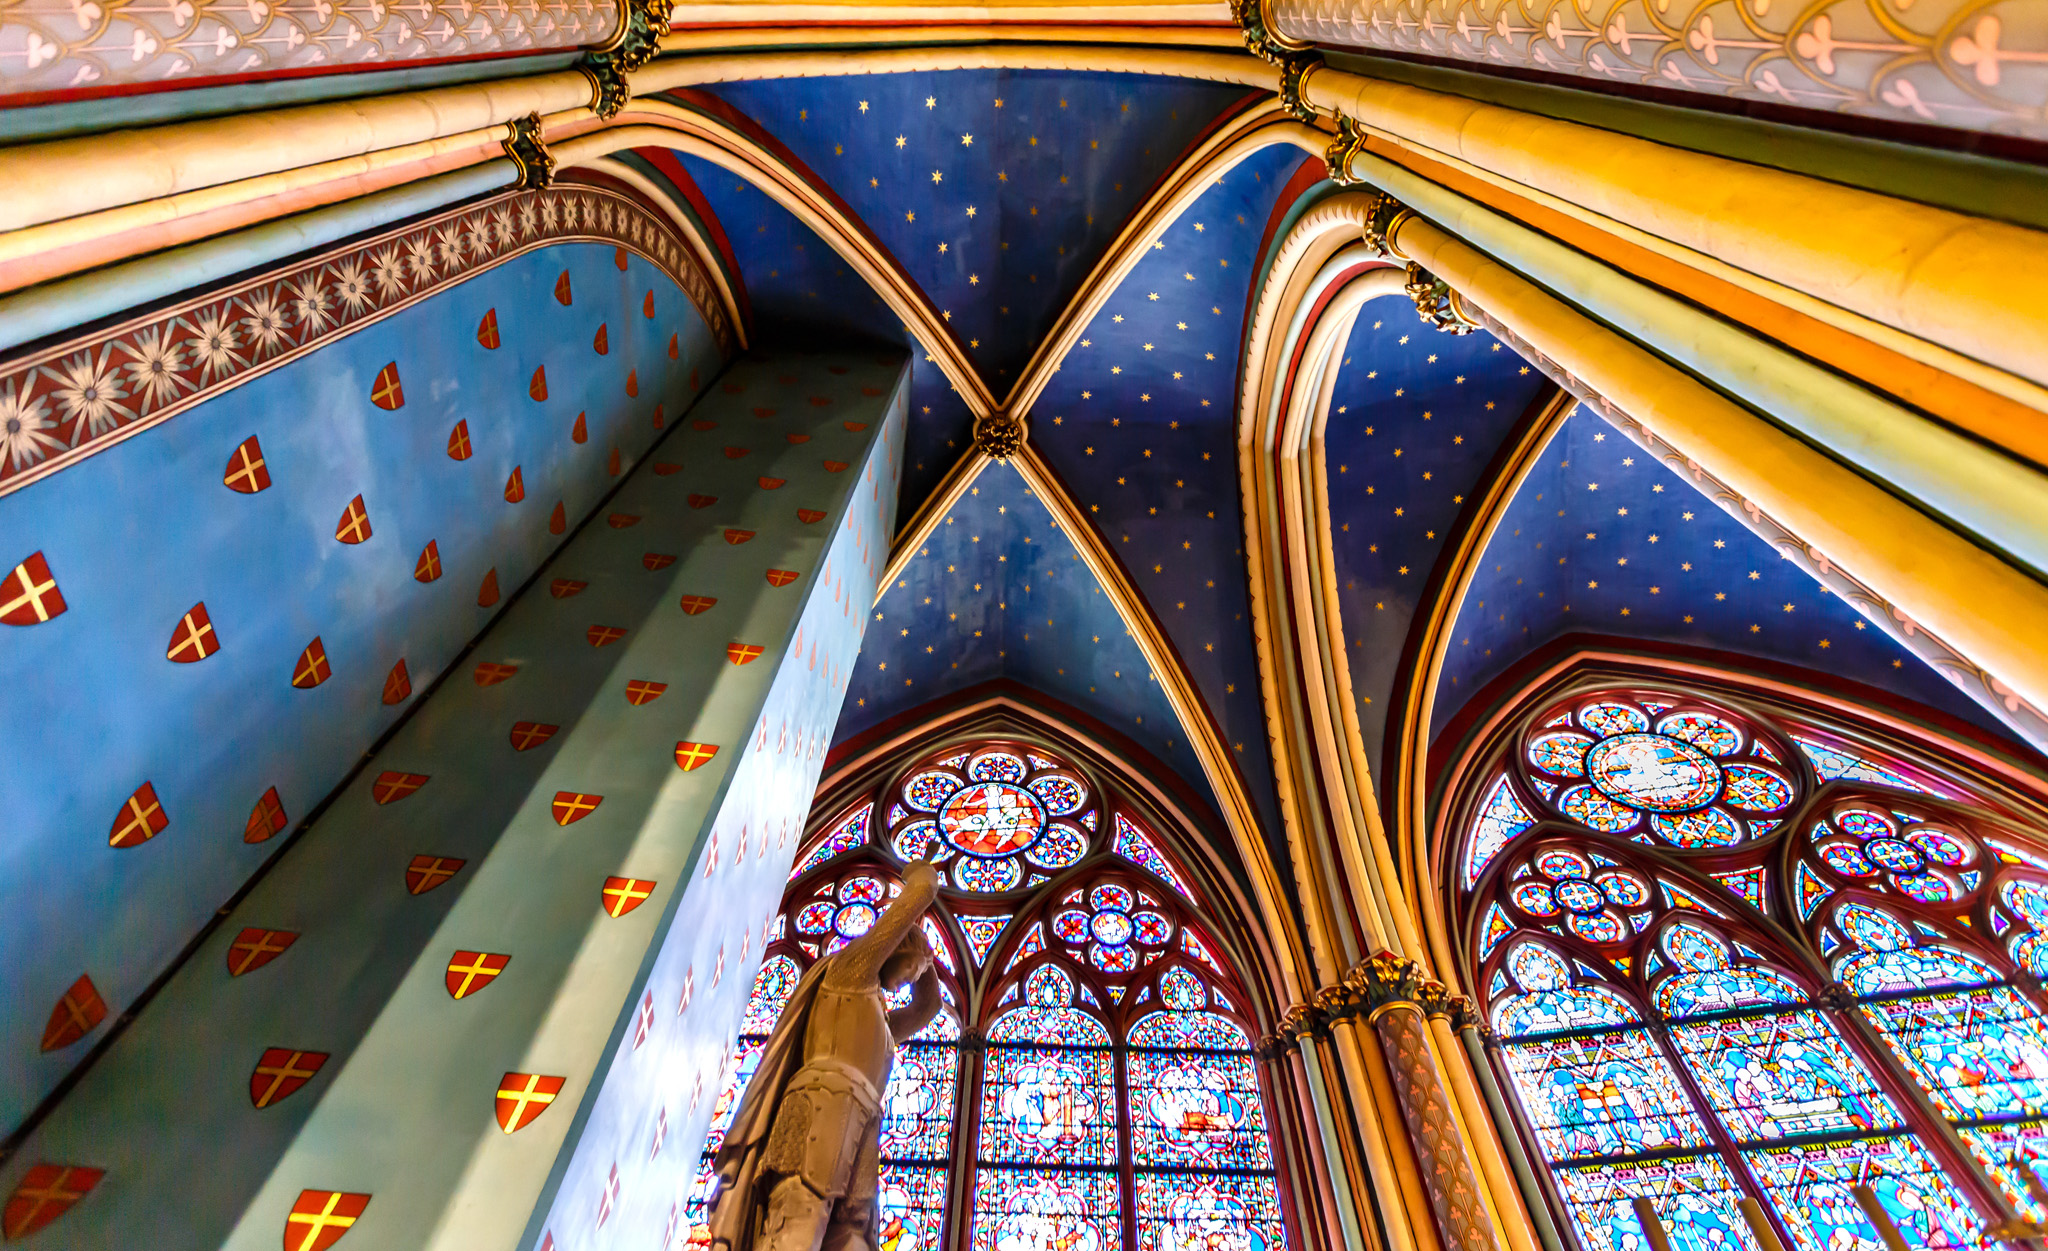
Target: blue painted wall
[146, 529]
[741, 531]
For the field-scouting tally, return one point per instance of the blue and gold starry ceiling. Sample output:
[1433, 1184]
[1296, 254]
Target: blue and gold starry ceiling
[1415, 417]
[1604, 539]
[998, 591]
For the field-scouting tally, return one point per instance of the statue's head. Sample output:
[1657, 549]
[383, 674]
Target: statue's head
[908, 962]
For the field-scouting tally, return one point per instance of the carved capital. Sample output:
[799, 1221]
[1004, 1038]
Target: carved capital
[642, 23]
[1384, 218]
[1389, 979]
[1348, 143]
[1260, 39]
[1464, 1014]
[1294, 71]
[999, 436]
[529, 152]
[1436, 303]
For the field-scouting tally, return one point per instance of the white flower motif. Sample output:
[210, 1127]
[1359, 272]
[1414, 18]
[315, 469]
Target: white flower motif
[89, 392]
[266, 323]
[214, 344]
[550, 213]
[309, 301]
[153, 368]
[605, 215]
[501, 225]
[477, 236]
[25, 425]
[528, 218]
[450, 246]
[419, 255]
[352, 285]
[387, 269]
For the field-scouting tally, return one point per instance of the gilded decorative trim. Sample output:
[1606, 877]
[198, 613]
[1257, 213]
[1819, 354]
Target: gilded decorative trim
[530, 153]
[1343, 149]
[1436, 303]
[643, 24]
[62, 404]
[999, 435]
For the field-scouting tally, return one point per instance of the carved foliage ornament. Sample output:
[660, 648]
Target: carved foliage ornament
[639, 41]
[1436, 303]
[1342, 150]
[999, 436]
[530, 153]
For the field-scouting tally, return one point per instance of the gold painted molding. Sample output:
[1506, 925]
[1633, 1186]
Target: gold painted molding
[695, 71]
[1218, 768]
[1943, 277]
[727, 27]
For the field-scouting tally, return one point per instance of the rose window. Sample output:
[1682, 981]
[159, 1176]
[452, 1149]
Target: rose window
[1593, 894]
[1862, 841]
[997, 819]
[1691, 779]
[1116, 926]
[841, 913]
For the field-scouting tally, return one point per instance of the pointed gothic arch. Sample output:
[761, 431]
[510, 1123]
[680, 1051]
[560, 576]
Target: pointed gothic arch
[1741, 949]
[1096, 1063]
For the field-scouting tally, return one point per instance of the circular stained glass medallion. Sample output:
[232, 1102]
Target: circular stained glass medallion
[854, 920]
[990, 819]
[1579, 895]
[1893, 854]
[1654, 772]
[1111, 928]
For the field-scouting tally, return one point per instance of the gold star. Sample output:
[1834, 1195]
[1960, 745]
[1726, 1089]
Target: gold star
[863, 106]
[900, 141]
[931, 102]
[967, 141]
[937, 176]
[970, 210]
[974, 280]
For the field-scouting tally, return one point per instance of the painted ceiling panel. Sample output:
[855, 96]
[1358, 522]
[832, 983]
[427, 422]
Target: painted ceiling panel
[996, 190]
[999, 591]
[1415, 417]
[1603, 538]
[1140, 423]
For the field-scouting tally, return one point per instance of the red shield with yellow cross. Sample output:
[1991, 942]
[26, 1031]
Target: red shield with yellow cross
[623, 894]
[320, 1217]
[312, 668]
[193, 639]
[29, 594]
[742, 653]
[246, 472]
[354, 525]
[280, 1071]
[45, 1193]
[524, 1096]
[79, 1009]
[657, 560]
[490, 673]
[572, 806]
[641, 691]
[139, 819]
[782, 577]
[604, 635]
[694, 604]
[428, 567]
[385, 392]
[427, 872]
[265, 819]
[471, 971]
[392, 786]
[458, 441]
[527, 735]
[809, 515]
[694, 755]
[254, 947]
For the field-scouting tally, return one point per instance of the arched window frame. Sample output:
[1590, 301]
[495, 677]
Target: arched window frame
[1128, 847]
[1785, 915]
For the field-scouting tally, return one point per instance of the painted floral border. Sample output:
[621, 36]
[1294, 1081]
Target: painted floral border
[62, 404]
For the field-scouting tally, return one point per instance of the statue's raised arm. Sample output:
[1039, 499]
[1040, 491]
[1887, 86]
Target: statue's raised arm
[860, 962]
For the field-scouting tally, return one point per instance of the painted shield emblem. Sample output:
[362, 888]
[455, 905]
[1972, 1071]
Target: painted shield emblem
[524, 1096]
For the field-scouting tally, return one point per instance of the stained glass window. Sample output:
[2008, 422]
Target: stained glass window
[1617, 849]
[1114, 1102]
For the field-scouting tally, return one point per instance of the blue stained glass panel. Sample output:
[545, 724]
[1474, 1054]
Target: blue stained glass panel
[928, 790]
[1612, 717]
[1694, 1196]
[1041, 1105]
[772, 985]
[1783, 1076]
[1589, 807]
[1196, 1110]
[1703, 730]
[1500, 818]
[1203, 1031]
[852, 833]
[1194, 1212]
[1552, 1011]
[1996, 1145]
[1978, 1053]
[1018, 1209]
[1610, 1094]
[1724, 990]
[1833, 762]
[1809, 1185]
[697, 1205]
[917, 1106]
[1134, 846]
[912, 1203]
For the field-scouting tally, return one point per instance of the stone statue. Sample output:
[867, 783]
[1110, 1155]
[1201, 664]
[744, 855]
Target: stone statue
[798, 1169]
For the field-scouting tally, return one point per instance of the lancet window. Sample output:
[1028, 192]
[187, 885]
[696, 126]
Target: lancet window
[1090, 1082]
[1730, 952]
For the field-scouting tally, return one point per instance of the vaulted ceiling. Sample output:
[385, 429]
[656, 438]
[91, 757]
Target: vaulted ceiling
[997, 193]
